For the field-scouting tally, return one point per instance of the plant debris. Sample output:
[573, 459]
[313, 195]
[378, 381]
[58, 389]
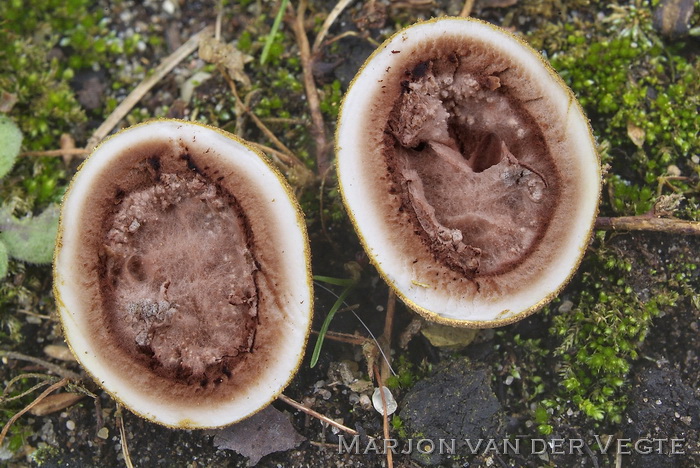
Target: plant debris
[262, 434]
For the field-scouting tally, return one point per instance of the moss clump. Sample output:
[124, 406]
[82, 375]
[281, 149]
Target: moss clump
[581, 368]
[641, 93]
[42, 45]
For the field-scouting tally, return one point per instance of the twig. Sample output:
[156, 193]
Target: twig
[47, 380]
[33, 314]
[648, 223]
[388, 328]
[219, 16]
[58, 370]
[135, 96]
[316, 414]
[319, 127]
[353, 34]
[380, 383]
[58, 152]
[284, 154]
[467, 9]
[343, 337]
[31, 405]
[330, 19]
[122, 435]
[323, 444]
[283, 120]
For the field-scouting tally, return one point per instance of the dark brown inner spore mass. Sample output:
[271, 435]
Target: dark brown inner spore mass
[471, 167]
[178, 278]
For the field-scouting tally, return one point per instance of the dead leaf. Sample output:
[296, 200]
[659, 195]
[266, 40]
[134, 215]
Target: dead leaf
[636, 134]
[67, 143]
[7, 102]
[226, 55]
[59, 352]
[55, 402]
[263, 433]
[666, 205]
[411, 330]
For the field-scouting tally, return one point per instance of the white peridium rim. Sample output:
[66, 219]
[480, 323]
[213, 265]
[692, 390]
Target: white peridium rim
[293, 252]
[435, 304]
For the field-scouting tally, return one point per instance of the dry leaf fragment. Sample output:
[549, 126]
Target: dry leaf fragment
[666, 205]
[60, 352]
[636, 134]
[56, 402]
[263, 433]
[67, 143]
[7, 102]
[226, 55]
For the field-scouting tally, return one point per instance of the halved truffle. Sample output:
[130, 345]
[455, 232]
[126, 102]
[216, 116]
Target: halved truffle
[182, 274]
[469, 172]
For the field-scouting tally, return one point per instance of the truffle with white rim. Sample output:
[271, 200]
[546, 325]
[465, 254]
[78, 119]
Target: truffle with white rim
[182, 274]
[469, 172]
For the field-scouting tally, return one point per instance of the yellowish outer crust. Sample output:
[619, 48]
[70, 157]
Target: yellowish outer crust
[432, 316]
[187, 423]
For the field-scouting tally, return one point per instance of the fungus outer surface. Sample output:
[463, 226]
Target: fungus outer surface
[182, 274]
[471, 175]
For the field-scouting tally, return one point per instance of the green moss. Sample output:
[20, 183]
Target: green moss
[641, 93]
[41, 44]
[331, 96]
[405, 374]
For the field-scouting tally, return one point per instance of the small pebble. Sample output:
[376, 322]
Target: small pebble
[566, 307]
[168, 7]
[70, 425]
[103, 433]
[365, 402]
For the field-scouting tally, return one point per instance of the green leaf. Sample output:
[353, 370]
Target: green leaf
[30, 239]
[10, 143]
[273, 32]
[324, 328]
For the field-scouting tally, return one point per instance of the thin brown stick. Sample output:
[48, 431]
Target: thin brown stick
[648, 223]
[323, 444]
[48, 380]
[58, 152]
[352, 34]
[282, 120]
[285, 155]
[316, 414]
[122, 436]
[318, 130]
[219, 16]
[386, 337]
[58, 370]
[31, 405]
[343, 337]
[149, 82]
[330, 19]
[380, 383]
[467, 8]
